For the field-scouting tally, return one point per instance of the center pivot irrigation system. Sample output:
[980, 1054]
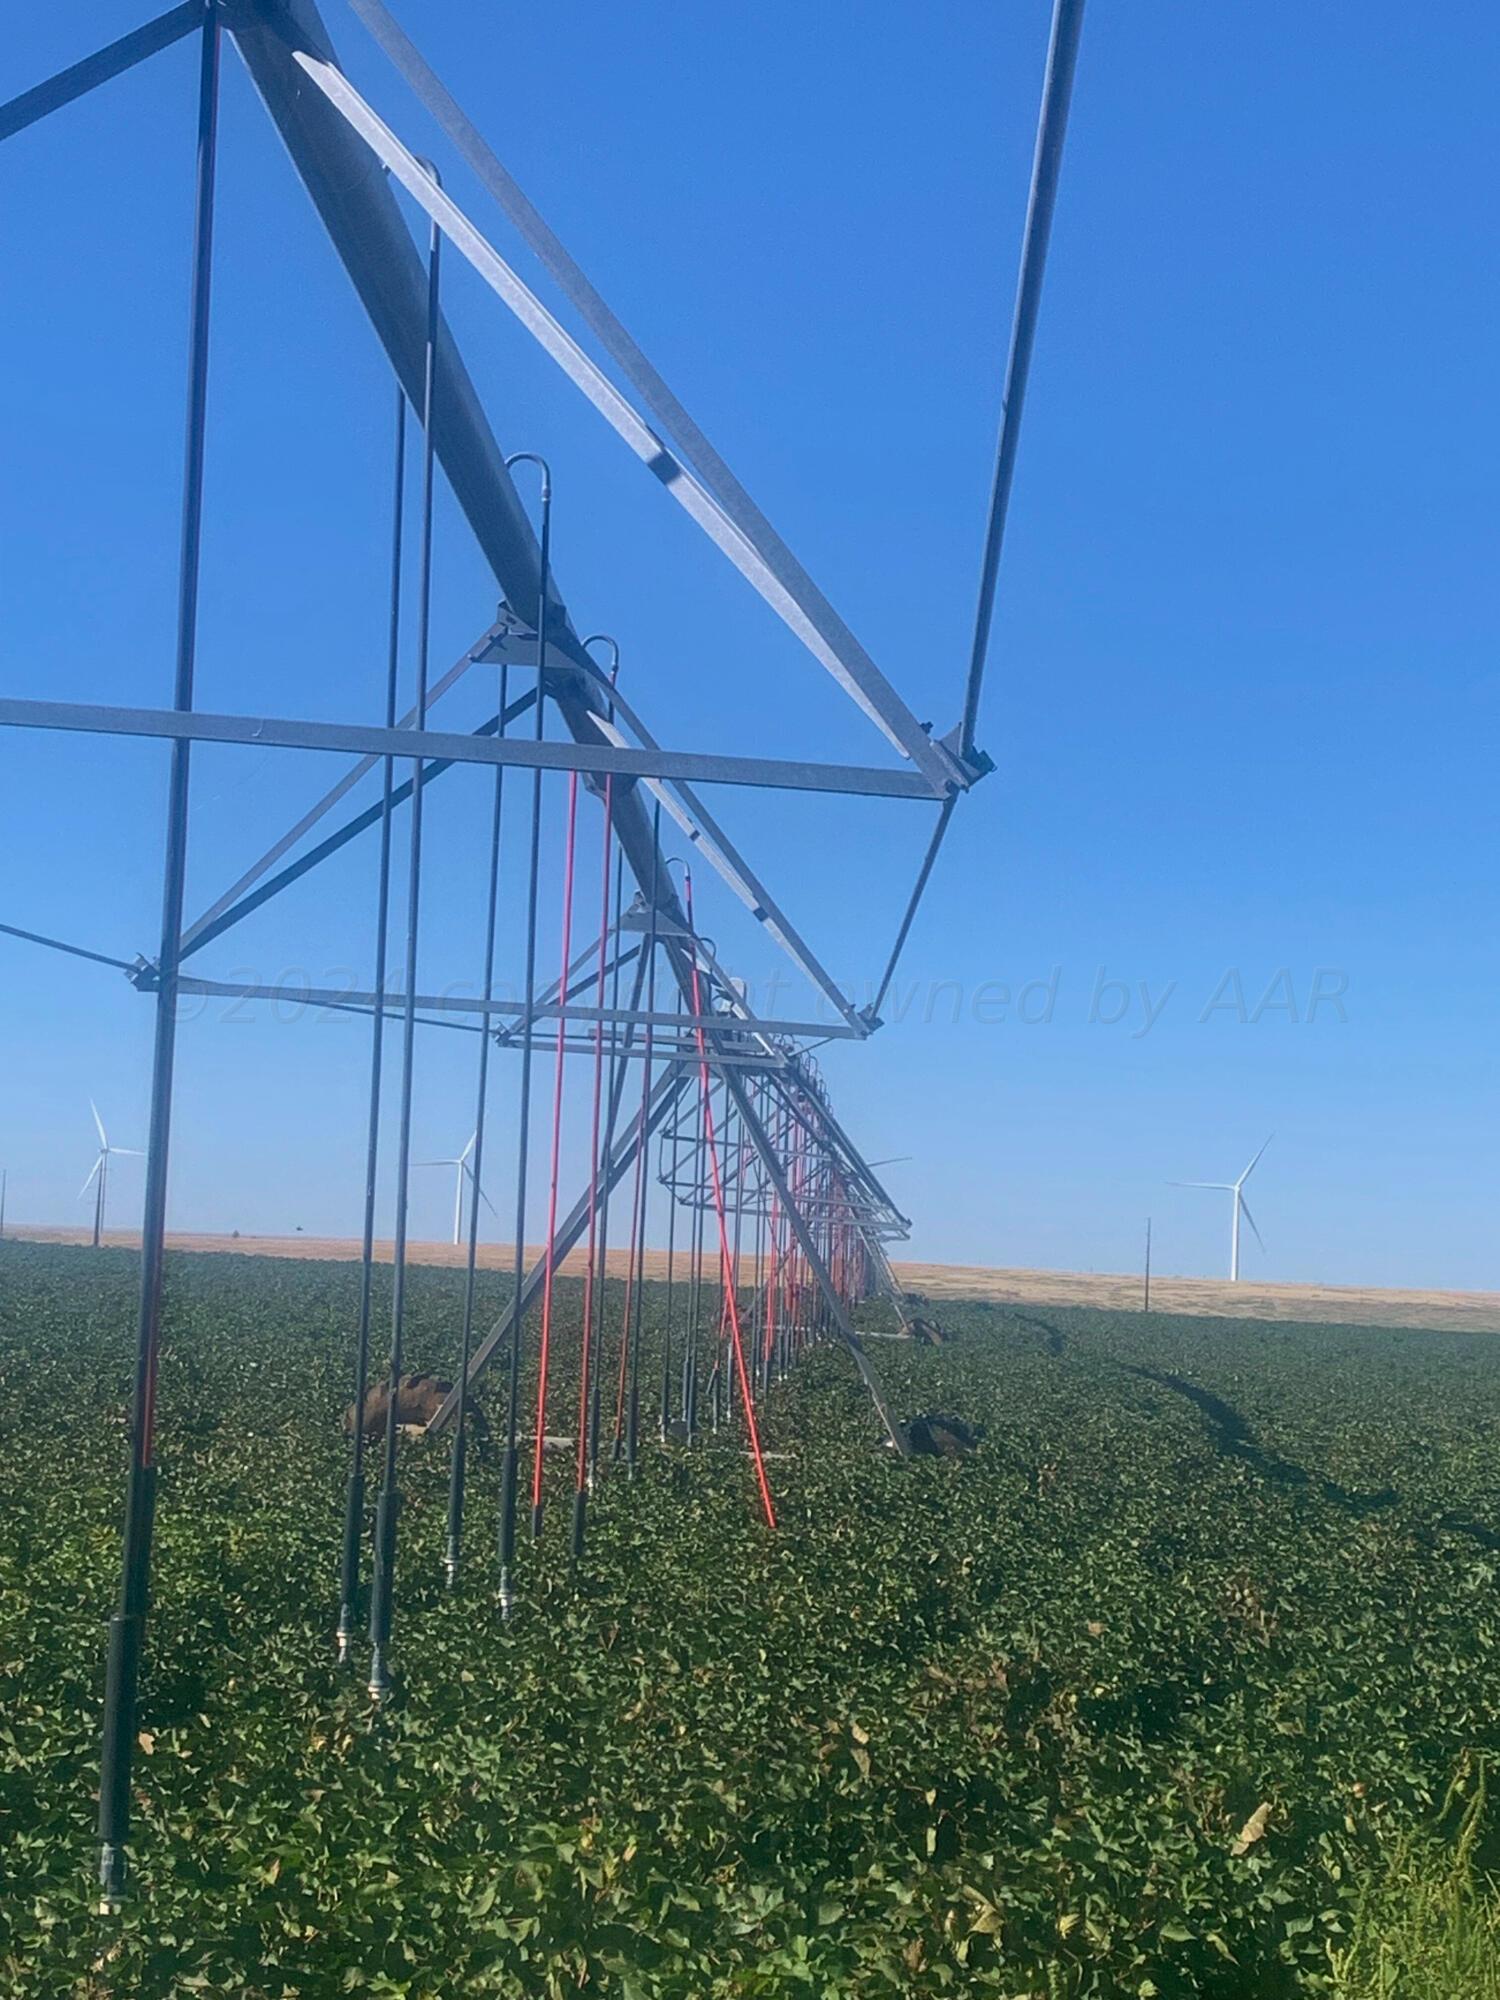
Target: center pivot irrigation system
[748, 1148]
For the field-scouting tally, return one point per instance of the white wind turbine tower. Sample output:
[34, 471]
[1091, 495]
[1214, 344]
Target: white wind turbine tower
[1239, 1206]
[463, 1172]
[99, 1173]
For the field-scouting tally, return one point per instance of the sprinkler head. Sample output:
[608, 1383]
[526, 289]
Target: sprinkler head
[507, 1597]
[111, 1880]
[381, 1683]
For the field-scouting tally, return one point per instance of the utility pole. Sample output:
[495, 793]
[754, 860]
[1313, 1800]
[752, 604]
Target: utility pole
[1146, 1301]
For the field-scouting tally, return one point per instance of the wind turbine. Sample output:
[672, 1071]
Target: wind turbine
[463, 1172]
[99, 1172]
[1239, 1206]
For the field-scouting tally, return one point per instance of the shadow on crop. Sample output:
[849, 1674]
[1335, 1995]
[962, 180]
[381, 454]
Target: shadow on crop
[1055, 1339]
[1460, 1524]
[1231, 1433]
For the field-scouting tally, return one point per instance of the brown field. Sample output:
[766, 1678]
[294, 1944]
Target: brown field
[1336, 1305]
[1346, 1305]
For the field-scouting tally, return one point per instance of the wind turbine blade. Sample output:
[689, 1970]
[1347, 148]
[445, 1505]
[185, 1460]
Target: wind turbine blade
[469, 1172]
[473, 1142]
[93, 1170]
[132, 1152]
[1252, 1166]
[99, 1122]
[437, 1163]
[1245, 1211]
[1219, 1187]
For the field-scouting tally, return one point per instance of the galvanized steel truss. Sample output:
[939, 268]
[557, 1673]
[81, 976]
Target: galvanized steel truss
[789, 1160]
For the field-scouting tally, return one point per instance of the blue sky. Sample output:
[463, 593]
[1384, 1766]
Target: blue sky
[1243, 697]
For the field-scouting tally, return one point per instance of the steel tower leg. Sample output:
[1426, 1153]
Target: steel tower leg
[127, 1627]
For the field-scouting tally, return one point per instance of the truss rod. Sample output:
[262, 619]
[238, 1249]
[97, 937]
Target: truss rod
[876, 696]
[1052, 126]
[320, 996]
[844, 657]
[576, 984]
[360, 213]
[331, 798]
[599, 756]
[227, 915]
[60, 944]
[81, 77]
[913, 904]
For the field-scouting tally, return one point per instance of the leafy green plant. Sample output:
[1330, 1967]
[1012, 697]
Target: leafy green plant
[1427, 1926]
[1001, 1726]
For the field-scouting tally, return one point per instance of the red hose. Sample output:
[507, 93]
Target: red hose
[726, 1262]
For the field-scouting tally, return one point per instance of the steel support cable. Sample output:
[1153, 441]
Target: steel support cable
[635, 1254]
[605, 1212]
[111, 61]
[719, 1404]
[1052, 125]
[510, 1469]
[586, 1342]
[354, 1500]
[388, 1505]
[545, 1351]
[688, 1391]
[769, 1283]
[739, 1231]
[695, 1294]
[459, 1461]
[613, 911]
[72, 950]
[617, 1435]
[666, 1350]
[633, 1407]
[798, 1190]
[739, 1223]
[779, 1232]
[903, 931]
[747, 1401]
[762, 1218]
[792, 1298]
[127, 1626]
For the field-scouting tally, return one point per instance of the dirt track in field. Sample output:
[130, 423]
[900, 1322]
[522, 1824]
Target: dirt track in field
[1475, 1312]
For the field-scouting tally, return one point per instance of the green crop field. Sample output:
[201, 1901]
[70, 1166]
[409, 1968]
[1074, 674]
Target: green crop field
[1138, 1700]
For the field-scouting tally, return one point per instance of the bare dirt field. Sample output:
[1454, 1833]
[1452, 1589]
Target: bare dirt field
[1343, 1305]
[1475, 1312]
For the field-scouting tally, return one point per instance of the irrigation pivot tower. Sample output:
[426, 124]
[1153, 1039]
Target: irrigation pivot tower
[751, 1151]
